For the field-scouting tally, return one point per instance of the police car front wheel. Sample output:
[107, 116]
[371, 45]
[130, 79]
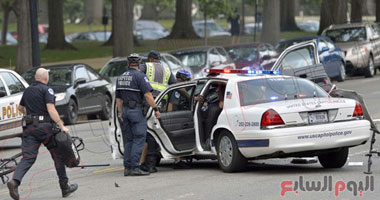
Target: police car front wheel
[229, 156]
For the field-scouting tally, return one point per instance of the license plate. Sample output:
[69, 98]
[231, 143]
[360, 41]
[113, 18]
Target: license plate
[318, 117]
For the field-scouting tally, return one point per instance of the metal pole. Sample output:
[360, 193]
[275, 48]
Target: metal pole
[205, 25]
[36, 59]
[254, 35]
[242, 30]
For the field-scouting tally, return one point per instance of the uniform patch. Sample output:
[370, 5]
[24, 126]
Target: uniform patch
[177, 95]
[51, 91]
[146, 79]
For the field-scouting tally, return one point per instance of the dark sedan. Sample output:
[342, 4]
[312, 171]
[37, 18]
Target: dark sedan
[79, 90]
[330, 55]
[252, 55]
[200, 58]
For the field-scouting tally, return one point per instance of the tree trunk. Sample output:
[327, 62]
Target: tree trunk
[332, 12]
[356, 10]
[93, 11]
[271, 21]
[56, 38]
[287, 12]
[24, 46]
[123, 28]
[183, 25]
[6, 8]
[149, 12]
[377, 10]
[109, 42]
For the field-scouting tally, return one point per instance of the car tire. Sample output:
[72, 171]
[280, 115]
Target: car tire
[72, 113]
[342, 73]
[229, 156]
[335, 159]
[106, 110]
[369, 71]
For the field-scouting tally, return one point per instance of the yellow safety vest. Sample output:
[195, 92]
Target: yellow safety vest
[158, 75]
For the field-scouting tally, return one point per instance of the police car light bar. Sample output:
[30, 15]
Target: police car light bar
[242, 71]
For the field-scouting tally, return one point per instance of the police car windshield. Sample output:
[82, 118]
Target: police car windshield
[193, 59]
[276, 89]
[59, 76]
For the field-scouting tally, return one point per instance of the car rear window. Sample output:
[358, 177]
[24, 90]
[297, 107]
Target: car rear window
[277, 89]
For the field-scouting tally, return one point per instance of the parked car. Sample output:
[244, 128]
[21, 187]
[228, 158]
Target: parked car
[213, 28]
[116, 66]
[89, 36]
[149, 30]
[79, 90]
[250, 28]
[263, 116]
[360, 43]
[9, 39]
[308, 26]
[200, 58]
[252, 55]
[330, 55]
[12, 87]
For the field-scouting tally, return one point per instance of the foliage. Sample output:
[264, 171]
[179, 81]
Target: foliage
[215, 7]
[73, 10]
[160, 5]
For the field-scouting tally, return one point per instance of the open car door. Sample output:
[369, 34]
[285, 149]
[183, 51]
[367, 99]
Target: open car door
[302, 60]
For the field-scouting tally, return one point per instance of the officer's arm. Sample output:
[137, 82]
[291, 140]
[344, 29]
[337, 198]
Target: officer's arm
[22, 109]
[55, 116]
[119, 103]
[149, 98]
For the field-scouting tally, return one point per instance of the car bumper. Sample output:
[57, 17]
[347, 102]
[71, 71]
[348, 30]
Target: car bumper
[357, 60]
[307, 138]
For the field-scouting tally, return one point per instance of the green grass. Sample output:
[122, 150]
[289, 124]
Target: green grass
[95, 50]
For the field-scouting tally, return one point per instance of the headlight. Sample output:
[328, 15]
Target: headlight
[60, 96]
[357, 50]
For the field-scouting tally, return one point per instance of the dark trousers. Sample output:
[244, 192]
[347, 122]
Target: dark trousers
[33, 137]
[153, 152]
[135, 133]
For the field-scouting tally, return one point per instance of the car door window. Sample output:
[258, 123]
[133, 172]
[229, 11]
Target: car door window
[298, 58]
[330, 44]
[263, 51]
[14, 84]
[223, 55]
[2, 87]
[173, 64]
[81, 72]
[177, 100]
[271, 51]
[214, 57]
[93, 75]
[321, 45]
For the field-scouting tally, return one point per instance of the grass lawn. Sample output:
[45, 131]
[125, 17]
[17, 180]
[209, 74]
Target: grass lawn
[96, 50]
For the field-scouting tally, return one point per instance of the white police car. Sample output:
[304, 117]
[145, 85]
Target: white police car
[263, 116]
[12, 87]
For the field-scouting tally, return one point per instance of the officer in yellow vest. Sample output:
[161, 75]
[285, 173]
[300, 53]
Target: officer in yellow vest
[159, 78]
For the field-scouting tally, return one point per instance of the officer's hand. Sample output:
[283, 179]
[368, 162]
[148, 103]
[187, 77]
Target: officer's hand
[157, 113]
[65, 130]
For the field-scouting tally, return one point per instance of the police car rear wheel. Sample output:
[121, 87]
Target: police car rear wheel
[105, 113]
[335, 159]
[72, 114]
[229, 156]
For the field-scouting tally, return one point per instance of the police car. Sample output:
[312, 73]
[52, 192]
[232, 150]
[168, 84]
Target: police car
[12, 87]
[241, 115]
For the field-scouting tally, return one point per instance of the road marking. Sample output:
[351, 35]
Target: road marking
[355, 164]
[108, 170]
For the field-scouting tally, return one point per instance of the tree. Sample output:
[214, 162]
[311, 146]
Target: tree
[356, 10]
[287, 15]
[93, 11]
[6, 7]
[73, 10]
[271, 21]
[56, 38]
[332, 12]
[183, 25]
[377, 10]
[24, 47]
[123, 27]
[153, 8]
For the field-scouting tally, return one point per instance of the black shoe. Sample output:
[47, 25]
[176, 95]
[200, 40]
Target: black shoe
[68, 189]
[13, 189]
[144, 167]
[181, 165]
[127, 171]
[138, 172]
[152, 170]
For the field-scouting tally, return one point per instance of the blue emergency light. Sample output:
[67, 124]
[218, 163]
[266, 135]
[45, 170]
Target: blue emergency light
[242, 71]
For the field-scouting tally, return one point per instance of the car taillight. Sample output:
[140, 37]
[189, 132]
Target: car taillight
[271, 118]
[358, 112]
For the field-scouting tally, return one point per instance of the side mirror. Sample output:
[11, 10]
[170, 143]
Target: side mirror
[3, 93]
[324, 49]
[79, 81]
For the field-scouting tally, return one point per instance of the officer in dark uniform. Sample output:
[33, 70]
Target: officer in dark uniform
[40, 115]
[131, 87]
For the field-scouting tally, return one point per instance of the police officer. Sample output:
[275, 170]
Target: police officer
[131, 87]
[40, 115]
[159, 77]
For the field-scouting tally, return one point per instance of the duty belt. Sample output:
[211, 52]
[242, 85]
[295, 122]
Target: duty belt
[34, 119]
[132, 104]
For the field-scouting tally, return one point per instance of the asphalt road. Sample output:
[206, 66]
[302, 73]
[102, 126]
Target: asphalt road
[261, 180]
